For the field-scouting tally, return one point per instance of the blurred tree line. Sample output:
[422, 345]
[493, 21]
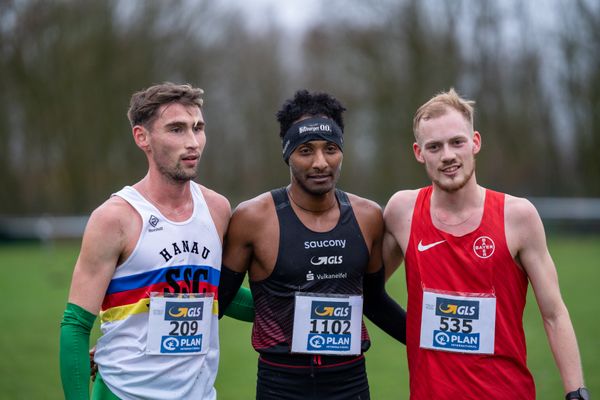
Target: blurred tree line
[68, 69]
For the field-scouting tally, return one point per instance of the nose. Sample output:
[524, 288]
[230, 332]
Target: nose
[319, 160]
[192, 140]
[447, 153]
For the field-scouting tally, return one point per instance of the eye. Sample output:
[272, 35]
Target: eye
[175, 129]
[432, 147]
[331, 148]
[304, 150]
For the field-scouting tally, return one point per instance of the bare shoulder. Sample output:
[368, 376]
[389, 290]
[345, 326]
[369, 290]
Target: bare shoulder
[255, 210]
[523, 225]
[219, 207]
[112, 216]
[520, 213]
[253, 221]
[215, 200]
[401, 204]
[111, 229]
[364, 207]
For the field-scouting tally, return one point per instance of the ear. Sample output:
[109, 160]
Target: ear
[141, 137]
[417, 152]
[476, 142]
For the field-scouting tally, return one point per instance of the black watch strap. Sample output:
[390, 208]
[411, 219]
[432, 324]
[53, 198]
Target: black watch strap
[581, 393]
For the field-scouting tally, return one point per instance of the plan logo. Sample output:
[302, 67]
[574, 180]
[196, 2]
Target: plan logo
[484, 247]
[181, 344]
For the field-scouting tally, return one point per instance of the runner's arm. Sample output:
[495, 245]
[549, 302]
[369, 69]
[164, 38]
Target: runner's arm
[397, 216]
[100, 249]
[392, 254]
[378, 306]
[235, 301]
[535, 258]
[381, 309]
[237, 254]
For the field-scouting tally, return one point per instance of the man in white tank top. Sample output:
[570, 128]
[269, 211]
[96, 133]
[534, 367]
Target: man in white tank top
[149, 266]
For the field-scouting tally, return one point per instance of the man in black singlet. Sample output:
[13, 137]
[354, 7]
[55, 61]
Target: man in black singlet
[313, 253]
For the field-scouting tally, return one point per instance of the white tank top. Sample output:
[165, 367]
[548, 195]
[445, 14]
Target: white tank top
[175, 257]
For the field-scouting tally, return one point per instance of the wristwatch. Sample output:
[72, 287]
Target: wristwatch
[581, 393]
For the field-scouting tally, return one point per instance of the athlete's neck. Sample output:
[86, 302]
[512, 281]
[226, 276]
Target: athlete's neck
[318, 213]
[457, 212]
[311, 203]
[173, 199]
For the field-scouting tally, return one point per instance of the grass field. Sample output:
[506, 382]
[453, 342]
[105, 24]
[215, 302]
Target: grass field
[34, 284]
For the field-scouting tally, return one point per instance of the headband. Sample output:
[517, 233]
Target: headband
[316, 128]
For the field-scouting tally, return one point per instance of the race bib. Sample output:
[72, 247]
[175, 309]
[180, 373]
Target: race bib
[179, 325]
[458, 323]
[327, 324]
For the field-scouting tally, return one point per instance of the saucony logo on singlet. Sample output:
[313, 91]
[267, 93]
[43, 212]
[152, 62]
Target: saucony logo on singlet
[423, 247]
[313, 244]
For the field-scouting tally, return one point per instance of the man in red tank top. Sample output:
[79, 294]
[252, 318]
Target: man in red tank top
[470, 254]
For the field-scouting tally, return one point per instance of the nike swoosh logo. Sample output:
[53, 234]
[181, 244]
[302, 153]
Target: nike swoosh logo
[423, 247]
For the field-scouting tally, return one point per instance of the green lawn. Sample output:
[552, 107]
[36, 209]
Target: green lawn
[34, 281]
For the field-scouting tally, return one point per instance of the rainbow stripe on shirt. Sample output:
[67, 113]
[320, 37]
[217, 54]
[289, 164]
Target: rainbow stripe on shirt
[130, 295]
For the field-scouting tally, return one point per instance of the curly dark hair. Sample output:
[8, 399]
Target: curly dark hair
[305, 103]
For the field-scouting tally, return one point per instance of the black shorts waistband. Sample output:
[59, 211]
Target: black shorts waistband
[308, 360]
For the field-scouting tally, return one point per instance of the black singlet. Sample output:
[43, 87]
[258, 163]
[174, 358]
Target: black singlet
[307, 261]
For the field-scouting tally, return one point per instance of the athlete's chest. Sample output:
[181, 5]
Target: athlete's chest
[305, 256]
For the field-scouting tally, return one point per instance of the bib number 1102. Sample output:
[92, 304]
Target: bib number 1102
[330, 326]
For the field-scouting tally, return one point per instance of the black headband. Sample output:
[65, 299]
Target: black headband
[316, 128]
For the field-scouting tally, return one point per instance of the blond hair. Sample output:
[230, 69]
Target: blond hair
[440, 104]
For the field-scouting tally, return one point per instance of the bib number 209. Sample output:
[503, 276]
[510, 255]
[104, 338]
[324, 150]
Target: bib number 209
[183, 328]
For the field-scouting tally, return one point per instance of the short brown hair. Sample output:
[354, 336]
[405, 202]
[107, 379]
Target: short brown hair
[439, 104]
[145, 103]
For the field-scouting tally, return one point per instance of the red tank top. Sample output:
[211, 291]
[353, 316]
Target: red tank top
[478, 262]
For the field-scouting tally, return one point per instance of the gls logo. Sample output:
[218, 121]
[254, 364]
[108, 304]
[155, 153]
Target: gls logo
[330, 310]
[183, 311]
[457, 308]
[326, 260]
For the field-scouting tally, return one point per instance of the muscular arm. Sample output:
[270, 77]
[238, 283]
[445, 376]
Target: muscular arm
[397, 218]
[525, 235]
[379, 307]
[238, 255]
[102, 245]
[242, 307]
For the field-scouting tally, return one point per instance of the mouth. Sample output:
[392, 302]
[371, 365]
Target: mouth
[319, 178]
[450, 169]
[190, 159]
